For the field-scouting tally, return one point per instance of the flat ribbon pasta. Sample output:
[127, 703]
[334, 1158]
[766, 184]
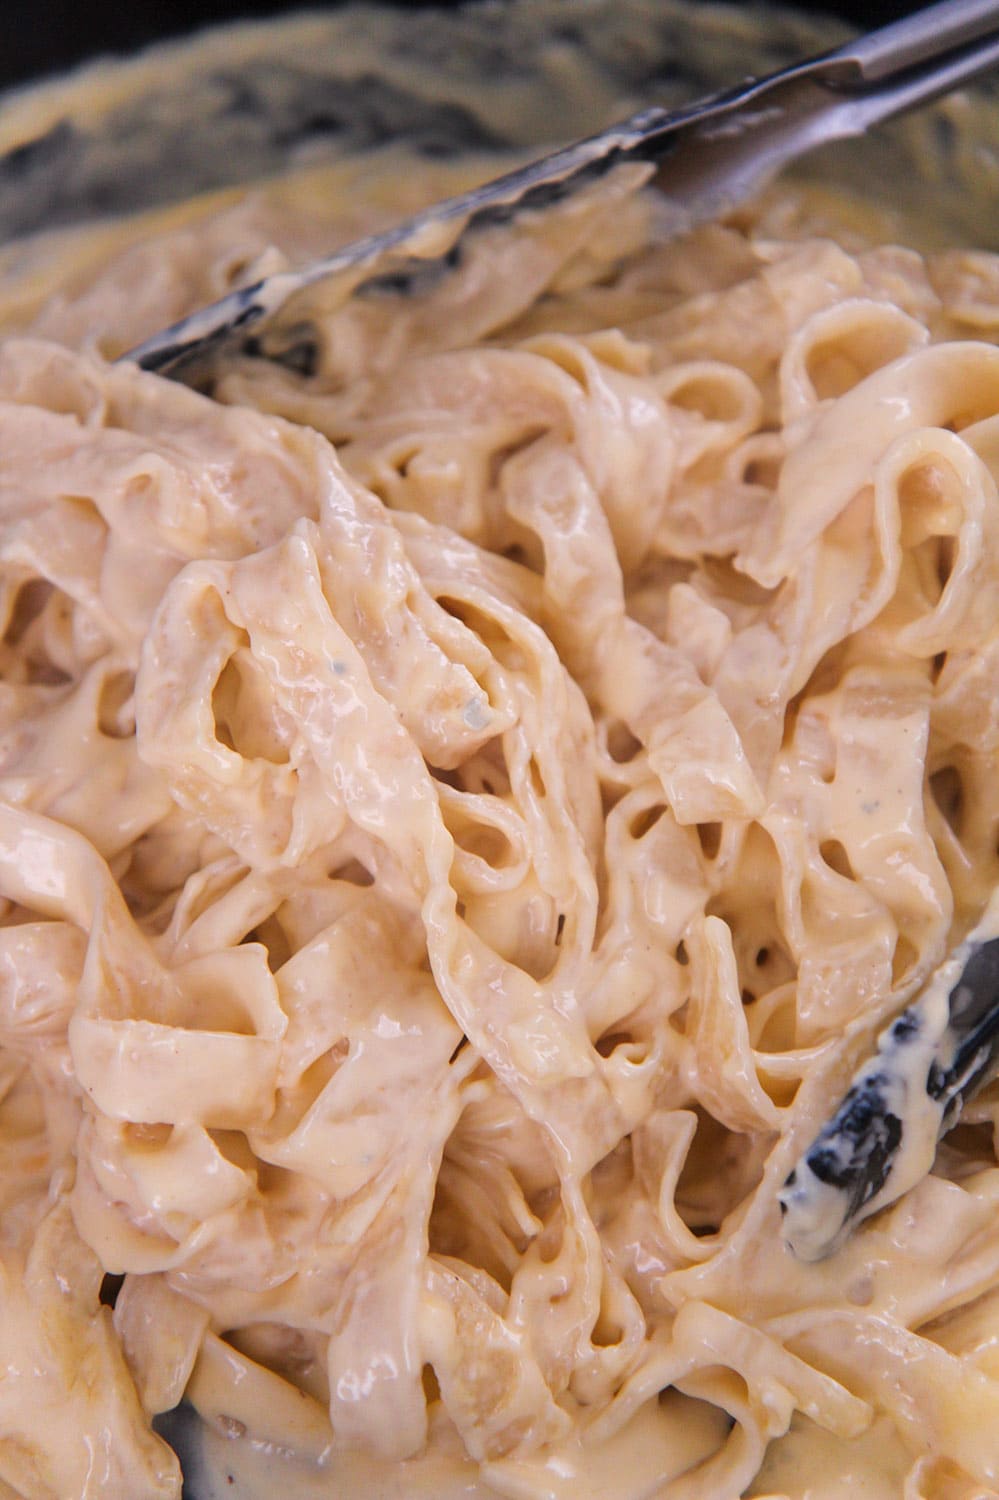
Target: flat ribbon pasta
[464, 813]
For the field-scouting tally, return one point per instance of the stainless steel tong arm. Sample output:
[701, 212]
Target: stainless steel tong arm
[704, 158]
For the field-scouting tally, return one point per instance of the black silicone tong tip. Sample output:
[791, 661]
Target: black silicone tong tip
[923, 1071]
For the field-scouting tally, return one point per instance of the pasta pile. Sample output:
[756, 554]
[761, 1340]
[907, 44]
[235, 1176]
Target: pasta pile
[464, 814]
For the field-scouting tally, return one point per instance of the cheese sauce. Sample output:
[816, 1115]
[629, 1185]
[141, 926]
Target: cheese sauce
[466, 813]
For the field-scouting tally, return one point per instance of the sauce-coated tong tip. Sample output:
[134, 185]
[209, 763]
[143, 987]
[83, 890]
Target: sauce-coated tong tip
[881, 1140]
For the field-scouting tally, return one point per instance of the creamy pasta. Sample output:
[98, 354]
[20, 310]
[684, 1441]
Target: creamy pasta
[465, 813]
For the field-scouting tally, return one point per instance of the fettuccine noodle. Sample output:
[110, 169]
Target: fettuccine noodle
[464, 813]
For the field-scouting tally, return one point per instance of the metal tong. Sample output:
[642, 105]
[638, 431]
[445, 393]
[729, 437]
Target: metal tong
[704, 159]
[881, 1140]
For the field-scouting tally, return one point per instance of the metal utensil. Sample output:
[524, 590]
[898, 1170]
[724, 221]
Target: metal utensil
[881, 1139]
[703, 159]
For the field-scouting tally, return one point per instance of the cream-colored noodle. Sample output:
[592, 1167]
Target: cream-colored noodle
[463, 816]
